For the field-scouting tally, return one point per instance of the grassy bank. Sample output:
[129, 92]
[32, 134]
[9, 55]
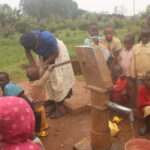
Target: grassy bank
[12, 55]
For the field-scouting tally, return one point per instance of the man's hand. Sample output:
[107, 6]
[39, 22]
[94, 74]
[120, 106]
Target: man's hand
[51, 67]
[48, 67]
[45, 67]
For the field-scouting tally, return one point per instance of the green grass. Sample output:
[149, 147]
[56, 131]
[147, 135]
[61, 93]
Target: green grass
[12, 55]
[72, 39]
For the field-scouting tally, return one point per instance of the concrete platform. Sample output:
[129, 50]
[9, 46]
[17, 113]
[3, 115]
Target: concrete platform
[85, 145]
[79, 100]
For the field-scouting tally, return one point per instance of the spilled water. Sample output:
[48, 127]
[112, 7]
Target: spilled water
[133, 131]
[133, 135]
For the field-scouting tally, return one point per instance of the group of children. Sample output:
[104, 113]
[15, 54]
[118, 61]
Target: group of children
[35, 94]
[129, 67]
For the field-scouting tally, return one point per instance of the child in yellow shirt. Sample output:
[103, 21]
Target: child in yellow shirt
[112, 43]
[140, 63]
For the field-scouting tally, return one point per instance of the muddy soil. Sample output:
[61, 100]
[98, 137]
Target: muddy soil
[65, 132]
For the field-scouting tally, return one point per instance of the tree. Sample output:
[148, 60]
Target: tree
[121, 10]
[145, 13]
[7, 15]
[42, 8]
[115, 10]
[148, 9]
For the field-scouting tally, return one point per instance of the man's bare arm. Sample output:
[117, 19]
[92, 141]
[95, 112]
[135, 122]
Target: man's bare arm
[51, 58]
[30, 58]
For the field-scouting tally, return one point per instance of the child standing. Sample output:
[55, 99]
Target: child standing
[96, 40]
[37, 92]
[125, 56]
[120, 93]
[94, 37]
[113, 43]
[141, 57]
[144, 103]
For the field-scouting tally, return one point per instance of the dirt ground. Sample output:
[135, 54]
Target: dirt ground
[65, 132]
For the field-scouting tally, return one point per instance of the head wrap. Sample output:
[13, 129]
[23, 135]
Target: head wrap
[16, 124]
[12, 89]
[28, 40]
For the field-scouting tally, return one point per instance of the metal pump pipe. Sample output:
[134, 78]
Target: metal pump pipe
[123, 109]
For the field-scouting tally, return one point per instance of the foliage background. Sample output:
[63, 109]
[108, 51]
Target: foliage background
[68, 23]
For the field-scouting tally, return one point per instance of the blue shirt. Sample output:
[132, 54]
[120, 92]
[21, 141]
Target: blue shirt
[47, 43]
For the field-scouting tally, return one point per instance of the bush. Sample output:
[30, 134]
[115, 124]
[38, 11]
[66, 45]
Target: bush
[83, 25]
[118, 23]
[67, 34]
[8, 32]
[72, 27]
[41, 27]
[61, 26]
[23, 26]
[52, 27]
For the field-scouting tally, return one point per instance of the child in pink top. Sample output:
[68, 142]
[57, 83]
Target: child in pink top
[17, 124]
[125, 57]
